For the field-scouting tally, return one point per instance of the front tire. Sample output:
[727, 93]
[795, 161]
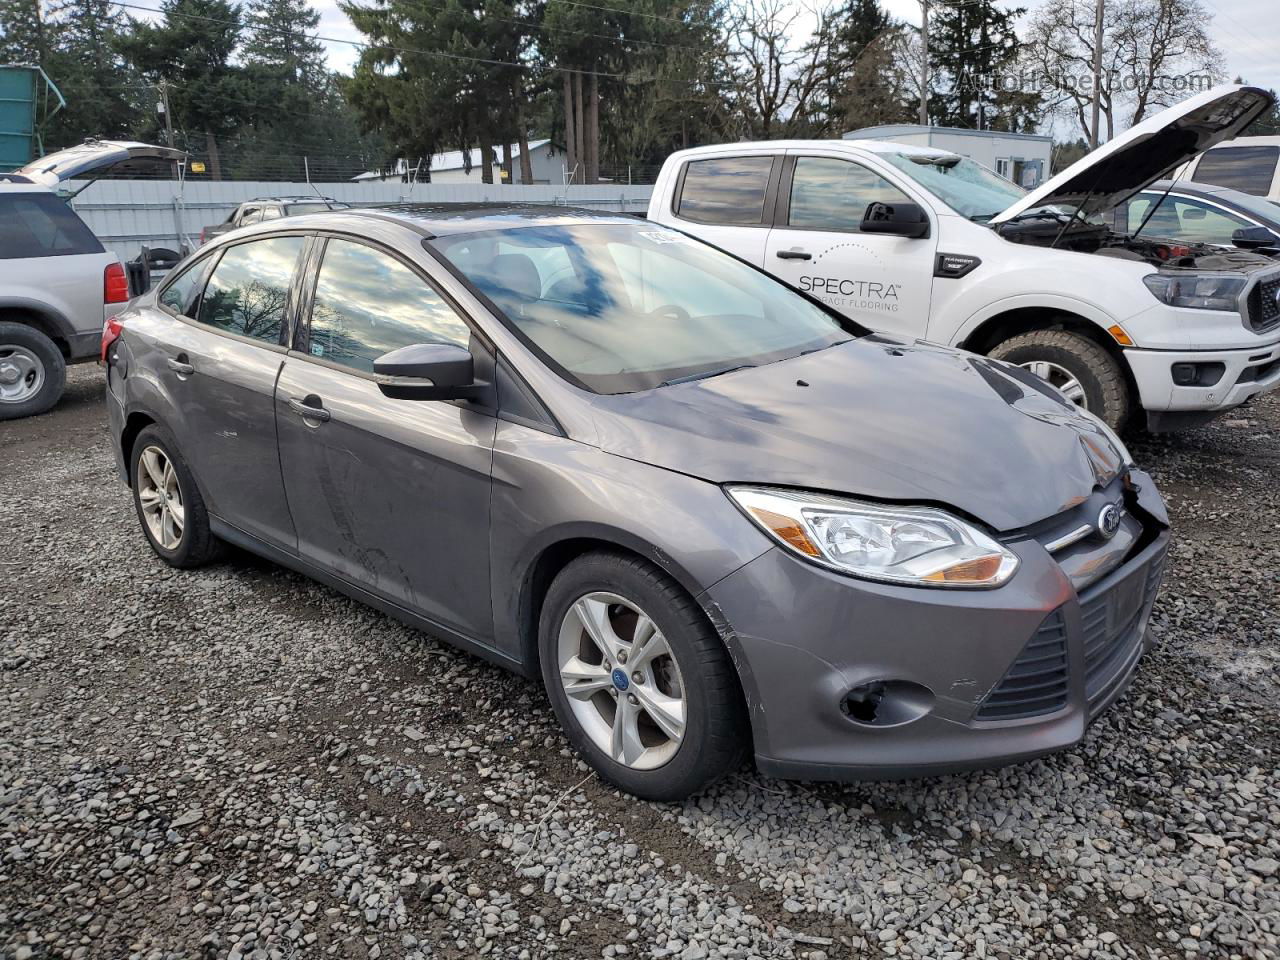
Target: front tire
[1084, 371]
[639, 680]
[33, 372]
[168, 502]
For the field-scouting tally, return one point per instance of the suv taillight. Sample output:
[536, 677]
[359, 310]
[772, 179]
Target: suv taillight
[115, 284]
[111, 331]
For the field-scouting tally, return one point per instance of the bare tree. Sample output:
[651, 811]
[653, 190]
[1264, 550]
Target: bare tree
[777, 77]
[1154, 53]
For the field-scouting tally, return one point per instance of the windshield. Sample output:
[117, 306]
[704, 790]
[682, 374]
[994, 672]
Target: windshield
[621, 307]
[966, 187]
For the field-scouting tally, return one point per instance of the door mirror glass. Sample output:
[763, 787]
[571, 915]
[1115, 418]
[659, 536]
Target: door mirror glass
[427, 371]
[896, 219]
[1254, 238]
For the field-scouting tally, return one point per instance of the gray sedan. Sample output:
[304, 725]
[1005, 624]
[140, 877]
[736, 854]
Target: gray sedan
[714, 517]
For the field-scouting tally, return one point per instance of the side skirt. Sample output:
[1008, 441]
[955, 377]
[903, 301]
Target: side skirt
[224, 531]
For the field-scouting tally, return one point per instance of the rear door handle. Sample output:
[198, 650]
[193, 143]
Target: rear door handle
[307, 410]
[794, 255]
[180, 367]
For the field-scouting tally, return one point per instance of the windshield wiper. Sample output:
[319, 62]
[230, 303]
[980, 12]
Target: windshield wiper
[706, 374]
[982, 217]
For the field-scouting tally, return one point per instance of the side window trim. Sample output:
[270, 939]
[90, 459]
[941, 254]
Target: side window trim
[770, 192]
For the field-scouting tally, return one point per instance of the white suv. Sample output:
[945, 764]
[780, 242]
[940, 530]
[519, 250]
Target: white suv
[921, 243]
[58, 285]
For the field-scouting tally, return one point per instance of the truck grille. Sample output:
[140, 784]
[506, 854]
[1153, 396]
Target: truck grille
[1036, 684]
[1111, 620]
[1264, 310]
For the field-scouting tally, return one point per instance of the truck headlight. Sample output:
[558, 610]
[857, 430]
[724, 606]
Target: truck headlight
[1204, 291]
[917, 546]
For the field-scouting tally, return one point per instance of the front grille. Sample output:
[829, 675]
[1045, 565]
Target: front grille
[1036, 684]
[1110, 621]
[1264, 310]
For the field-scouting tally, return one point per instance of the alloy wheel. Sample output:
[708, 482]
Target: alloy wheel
[160, 497]
[623, 684]
[21, 373]
[1060, 377]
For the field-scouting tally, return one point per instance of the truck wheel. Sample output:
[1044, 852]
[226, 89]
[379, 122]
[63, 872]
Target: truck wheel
[32, 371]
[1085, 373]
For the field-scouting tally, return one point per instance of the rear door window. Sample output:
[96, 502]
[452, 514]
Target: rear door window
[1247, 169]
[41, 225]
[248, 291]
[729, 190]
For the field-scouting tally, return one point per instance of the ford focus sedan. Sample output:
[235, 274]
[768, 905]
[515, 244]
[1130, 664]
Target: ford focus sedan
[712, 515]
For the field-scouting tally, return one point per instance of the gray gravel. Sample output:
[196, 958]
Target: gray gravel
[236, 762]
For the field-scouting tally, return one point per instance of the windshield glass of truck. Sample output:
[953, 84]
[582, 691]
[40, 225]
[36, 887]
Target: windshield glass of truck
[966, 187]
[619, 308]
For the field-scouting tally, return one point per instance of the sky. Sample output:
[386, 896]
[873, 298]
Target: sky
[1248, 50]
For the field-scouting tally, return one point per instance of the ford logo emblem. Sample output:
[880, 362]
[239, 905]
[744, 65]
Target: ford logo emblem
[1109, 520]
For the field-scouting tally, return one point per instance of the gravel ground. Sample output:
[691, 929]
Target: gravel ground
[236, 762]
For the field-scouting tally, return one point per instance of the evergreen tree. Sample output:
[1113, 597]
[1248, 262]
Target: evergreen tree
[190, 52]
[22, 33]
[970, 45]
[104, 98]
[855, 26]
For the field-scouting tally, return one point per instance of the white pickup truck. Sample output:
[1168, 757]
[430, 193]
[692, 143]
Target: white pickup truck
[921, 243]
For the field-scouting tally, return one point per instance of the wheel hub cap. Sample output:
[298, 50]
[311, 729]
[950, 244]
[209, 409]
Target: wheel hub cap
[636, 714]
[160, 498]
[21, 373]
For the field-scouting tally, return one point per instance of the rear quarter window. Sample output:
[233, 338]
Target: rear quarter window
[729, 190]
[41, 225]
[1247, 169]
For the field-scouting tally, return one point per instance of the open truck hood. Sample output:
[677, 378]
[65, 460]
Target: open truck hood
[1105, 178]
[96, 156]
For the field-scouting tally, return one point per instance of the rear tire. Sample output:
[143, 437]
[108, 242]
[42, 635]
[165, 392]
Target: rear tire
[33, 372]
[168, 503]
[1092, 376]
[676, 678]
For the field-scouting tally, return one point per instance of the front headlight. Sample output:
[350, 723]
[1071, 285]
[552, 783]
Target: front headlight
[1205, 291]
[919, 546]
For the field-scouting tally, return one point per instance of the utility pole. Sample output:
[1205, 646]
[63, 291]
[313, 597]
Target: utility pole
[924, 62]
[164, 108]
[1097, 73]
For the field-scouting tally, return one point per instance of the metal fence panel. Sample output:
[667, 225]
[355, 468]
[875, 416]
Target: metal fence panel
[128, 214]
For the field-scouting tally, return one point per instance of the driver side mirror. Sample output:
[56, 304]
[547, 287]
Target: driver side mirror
[1254, 238]
[896, 219]
[428, 371]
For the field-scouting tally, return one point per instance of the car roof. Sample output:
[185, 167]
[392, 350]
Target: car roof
[298, 198]
[853, 146]
[445, 219]
[1257, 206]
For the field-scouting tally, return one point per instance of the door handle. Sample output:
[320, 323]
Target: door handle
[308, 411]
[180, 367]
[794, 255]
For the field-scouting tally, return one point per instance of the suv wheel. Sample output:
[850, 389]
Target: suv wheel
[638, 678]
[169, 505]
[1085, 372]
[32, 371]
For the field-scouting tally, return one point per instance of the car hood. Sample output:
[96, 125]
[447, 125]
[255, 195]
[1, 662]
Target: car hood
[875, 418]
[96, 156]
[1118, 169]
